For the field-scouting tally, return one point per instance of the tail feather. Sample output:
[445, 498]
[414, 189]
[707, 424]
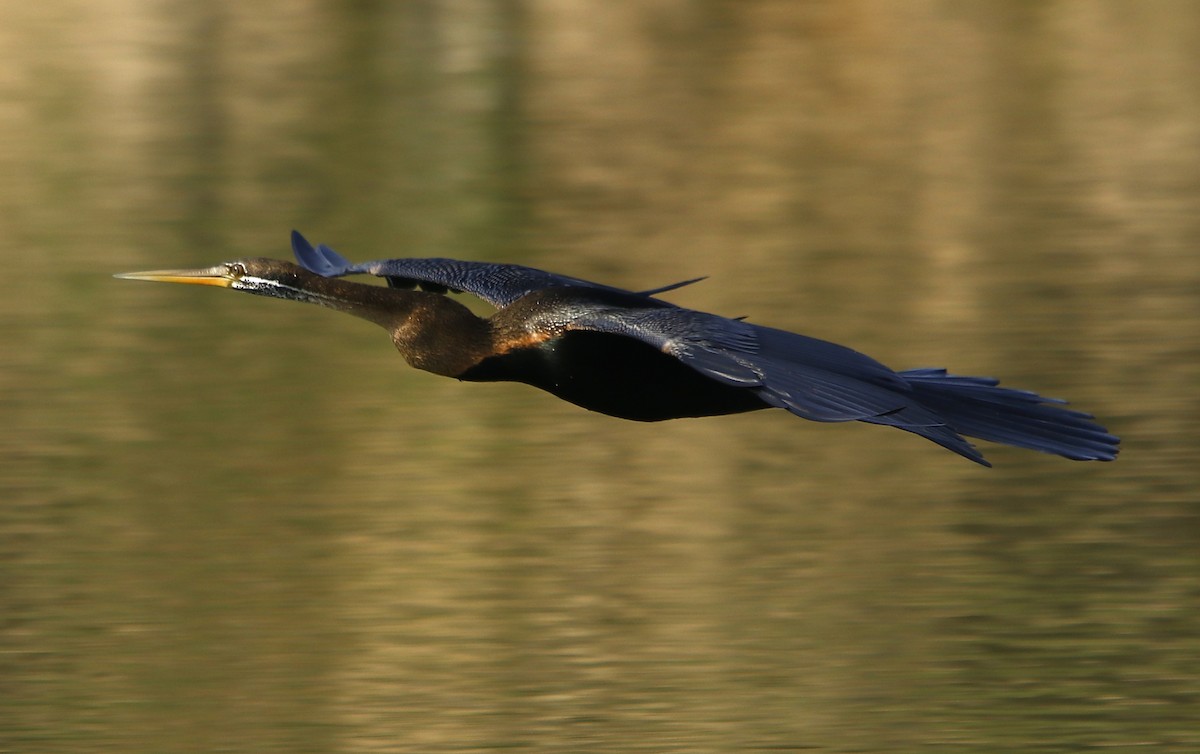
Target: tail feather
[978, 407]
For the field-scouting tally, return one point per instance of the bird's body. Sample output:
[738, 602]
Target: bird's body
[635, 356]
[610, 373]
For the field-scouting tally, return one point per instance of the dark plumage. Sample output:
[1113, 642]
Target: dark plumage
[631, 355]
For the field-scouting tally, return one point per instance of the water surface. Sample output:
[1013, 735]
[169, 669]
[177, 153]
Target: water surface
[233, 524]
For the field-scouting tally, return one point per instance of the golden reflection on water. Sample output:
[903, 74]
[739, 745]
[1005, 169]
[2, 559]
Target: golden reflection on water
[237, 524]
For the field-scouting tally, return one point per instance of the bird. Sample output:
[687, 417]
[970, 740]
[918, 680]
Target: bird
[633, 355]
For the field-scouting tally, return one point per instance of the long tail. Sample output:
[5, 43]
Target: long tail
[977, 407]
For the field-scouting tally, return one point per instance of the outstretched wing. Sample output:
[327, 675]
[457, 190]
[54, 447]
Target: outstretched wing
[811, 378]
[498, 284]
[823, 381]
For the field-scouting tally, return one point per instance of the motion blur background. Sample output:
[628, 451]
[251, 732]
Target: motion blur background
[234, 524]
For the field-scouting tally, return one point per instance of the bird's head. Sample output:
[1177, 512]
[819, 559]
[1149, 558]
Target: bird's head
[261, 276]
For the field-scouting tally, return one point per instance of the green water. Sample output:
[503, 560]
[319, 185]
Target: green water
[234, 524]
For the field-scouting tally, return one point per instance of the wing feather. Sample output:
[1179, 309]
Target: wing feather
[498, 284]
[823, 381]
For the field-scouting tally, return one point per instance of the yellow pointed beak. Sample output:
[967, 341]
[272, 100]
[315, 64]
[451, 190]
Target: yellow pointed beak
[219, 276]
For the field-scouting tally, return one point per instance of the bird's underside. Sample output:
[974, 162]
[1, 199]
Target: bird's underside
[615, 375]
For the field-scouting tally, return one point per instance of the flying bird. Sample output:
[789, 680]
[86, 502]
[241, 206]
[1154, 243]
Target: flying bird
[635, 356]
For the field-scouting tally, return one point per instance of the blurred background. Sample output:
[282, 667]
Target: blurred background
[242, 525]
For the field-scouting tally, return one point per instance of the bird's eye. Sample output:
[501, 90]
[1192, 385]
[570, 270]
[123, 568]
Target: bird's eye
[236, 270]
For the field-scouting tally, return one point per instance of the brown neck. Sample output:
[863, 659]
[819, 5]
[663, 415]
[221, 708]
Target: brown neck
[431, 331]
